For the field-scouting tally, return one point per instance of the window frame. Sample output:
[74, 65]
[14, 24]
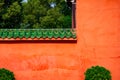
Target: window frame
[72, 30]
[73, 13]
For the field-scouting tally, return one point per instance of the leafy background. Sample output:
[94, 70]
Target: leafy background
[34, 14]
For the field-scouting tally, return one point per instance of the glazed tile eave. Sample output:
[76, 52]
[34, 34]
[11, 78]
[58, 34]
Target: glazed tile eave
[38, 34]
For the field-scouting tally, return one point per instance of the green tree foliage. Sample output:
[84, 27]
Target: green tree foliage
[97, 73]
[34, 14]
[6, 74]
[10, 13]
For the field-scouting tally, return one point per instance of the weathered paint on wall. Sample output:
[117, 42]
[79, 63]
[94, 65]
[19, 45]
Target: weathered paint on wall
[98, 43]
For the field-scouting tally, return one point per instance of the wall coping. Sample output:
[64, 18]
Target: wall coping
[38, 34]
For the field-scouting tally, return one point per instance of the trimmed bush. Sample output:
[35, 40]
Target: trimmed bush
[6, 74]
[97, 73]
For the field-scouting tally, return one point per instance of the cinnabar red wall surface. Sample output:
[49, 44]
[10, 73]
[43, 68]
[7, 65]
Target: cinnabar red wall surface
[98, 43]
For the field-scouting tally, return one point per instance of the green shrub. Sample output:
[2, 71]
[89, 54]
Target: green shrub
[97, 73]
[6, 74]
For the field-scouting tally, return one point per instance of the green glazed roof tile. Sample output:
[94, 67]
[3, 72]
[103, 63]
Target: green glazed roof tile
[50, 34]
[21, 34]
[62, 34]
[4, 34]
[45, 34]
[38, 33]
[15, 33]
[27, 34]
[10, 34]
[68, 34]
[33, 34]
[56, 34]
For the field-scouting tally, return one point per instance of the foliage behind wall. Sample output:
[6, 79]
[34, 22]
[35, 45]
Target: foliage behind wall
[34, 14]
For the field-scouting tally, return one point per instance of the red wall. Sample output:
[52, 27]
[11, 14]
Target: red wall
[98, 43]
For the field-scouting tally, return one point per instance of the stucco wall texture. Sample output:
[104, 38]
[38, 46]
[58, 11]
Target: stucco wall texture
[98, 43]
